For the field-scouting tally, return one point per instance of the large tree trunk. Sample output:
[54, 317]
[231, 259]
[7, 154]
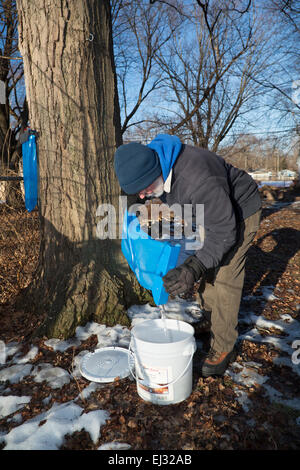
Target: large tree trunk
[73, 104]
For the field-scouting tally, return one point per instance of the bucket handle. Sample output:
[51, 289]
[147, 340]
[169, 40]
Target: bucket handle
[131, 351]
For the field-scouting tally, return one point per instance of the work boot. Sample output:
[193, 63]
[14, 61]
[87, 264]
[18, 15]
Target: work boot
[216, 363]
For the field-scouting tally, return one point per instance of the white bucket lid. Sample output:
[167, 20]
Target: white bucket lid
[106, 364]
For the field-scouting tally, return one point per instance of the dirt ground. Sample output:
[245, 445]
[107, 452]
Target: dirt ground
[211, 418]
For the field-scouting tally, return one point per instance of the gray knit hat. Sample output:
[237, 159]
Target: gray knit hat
[136, 167]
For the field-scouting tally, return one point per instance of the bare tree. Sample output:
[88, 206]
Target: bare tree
[209, 67]
[224, 67]
[283, 85]
[290, 11]
[140, 32]
[73, 104]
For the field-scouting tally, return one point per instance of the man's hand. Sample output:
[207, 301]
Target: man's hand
[181, 279]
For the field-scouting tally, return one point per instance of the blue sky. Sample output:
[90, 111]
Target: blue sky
[268, 115]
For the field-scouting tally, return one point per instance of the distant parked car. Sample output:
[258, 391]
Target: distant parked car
[261, 174]
[287, 174]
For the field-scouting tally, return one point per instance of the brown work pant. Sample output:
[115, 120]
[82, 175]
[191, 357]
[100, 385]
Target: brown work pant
[220, 295]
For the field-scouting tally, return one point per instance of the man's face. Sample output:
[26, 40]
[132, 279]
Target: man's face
[156, 189]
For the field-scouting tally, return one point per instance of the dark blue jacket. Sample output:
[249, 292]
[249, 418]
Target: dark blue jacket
[229, 195]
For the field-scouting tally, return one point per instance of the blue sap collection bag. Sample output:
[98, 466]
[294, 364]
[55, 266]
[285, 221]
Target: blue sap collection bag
[29, 154]
[149, 259]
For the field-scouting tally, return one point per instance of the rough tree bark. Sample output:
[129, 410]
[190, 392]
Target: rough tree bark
[73, 104]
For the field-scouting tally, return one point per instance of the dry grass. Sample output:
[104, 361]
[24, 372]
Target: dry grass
[19, 247]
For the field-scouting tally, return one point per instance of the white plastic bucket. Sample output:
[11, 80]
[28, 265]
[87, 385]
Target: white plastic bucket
[163, 351]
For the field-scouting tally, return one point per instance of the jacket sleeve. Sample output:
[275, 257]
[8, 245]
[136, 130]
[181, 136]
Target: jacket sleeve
[219, 220]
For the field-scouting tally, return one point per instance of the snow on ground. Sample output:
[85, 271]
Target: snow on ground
[11, 403]
[60, 420]
[47, 430]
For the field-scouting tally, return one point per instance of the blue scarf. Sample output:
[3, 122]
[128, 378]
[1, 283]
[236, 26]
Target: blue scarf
[167, 148]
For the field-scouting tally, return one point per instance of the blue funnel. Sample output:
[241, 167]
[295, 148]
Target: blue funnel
[149, 259]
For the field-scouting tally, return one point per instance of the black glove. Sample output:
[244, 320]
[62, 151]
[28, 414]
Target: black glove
[181, 279]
